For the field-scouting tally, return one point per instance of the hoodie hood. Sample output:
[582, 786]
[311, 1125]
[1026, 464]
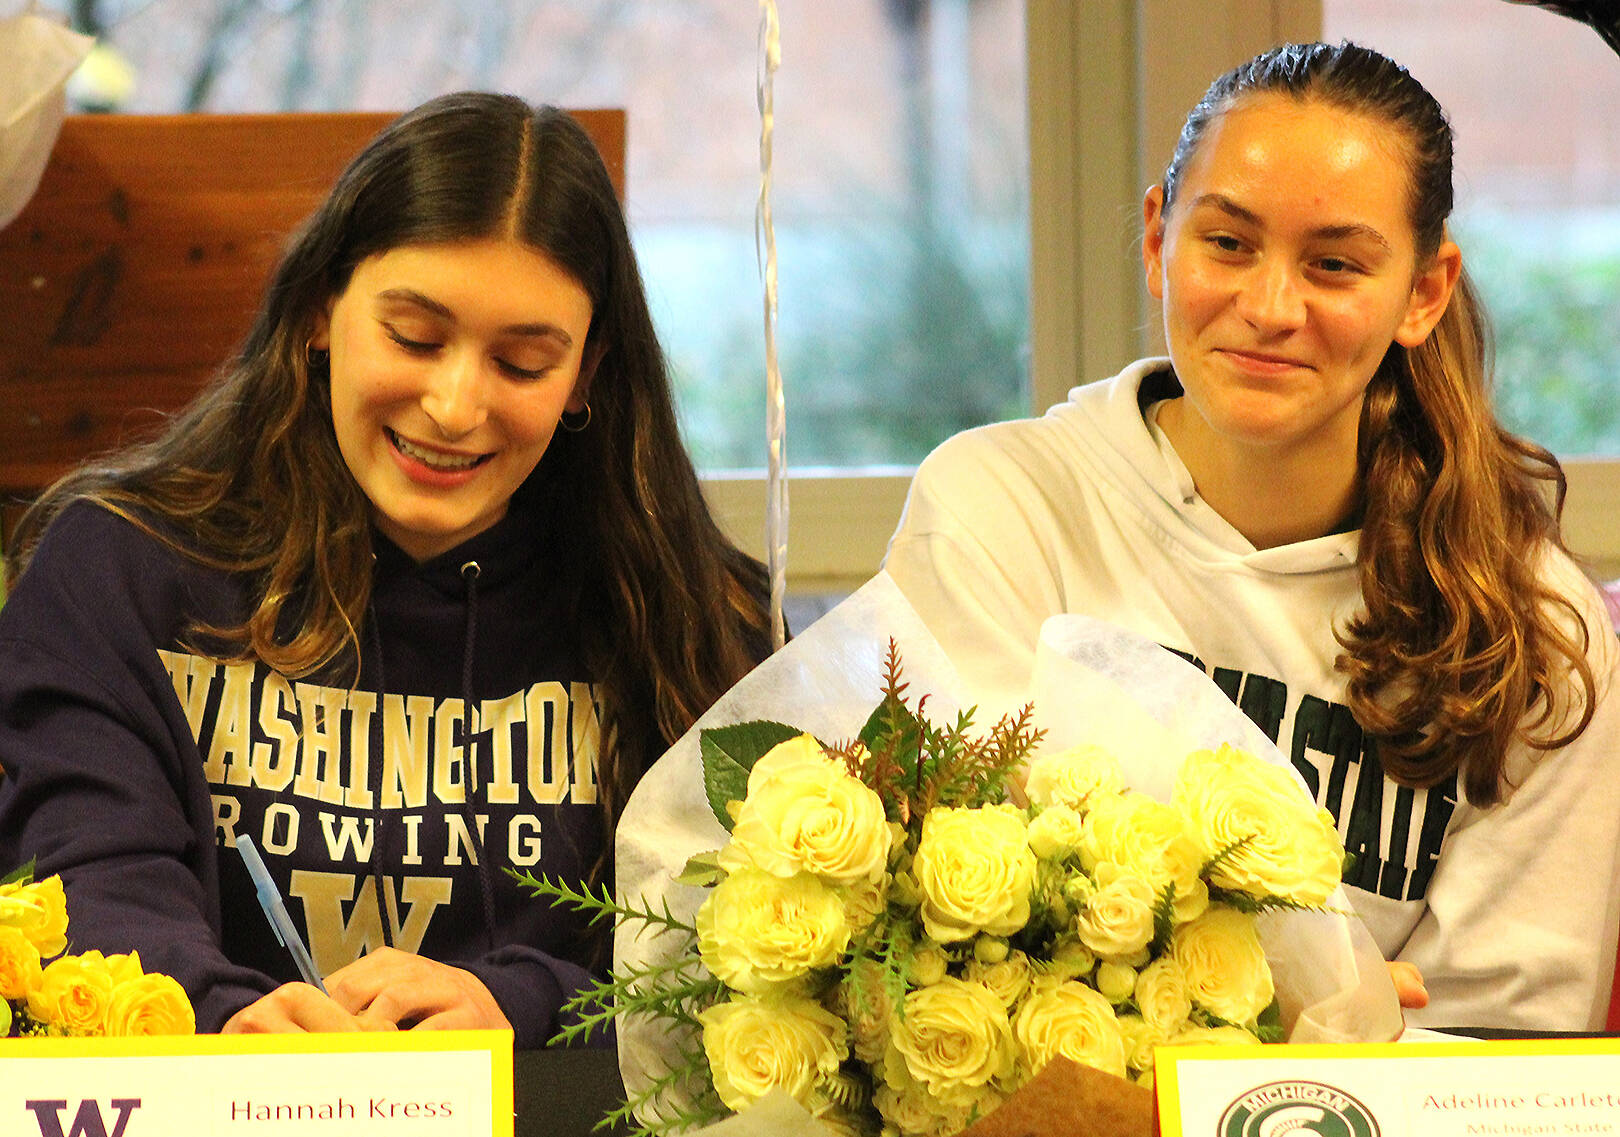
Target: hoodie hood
[1119, 446]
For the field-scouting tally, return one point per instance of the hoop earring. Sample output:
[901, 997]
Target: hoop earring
[316, 358]
[579, 425]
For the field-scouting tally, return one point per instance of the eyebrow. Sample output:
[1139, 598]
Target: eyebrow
[421, 300]
[1326, 232]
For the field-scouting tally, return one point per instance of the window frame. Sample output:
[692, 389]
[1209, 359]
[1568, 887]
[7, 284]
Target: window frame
[1108, 84]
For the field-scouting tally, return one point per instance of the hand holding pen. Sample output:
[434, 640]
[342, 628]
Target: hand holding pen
[276, 912]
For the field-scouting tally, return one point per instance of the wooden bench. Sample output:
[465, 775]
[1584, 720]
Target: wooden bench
[137, 265]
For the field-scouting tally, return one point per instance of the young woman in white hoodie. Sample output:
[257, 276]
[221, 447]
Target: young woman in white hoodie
[1312, 500]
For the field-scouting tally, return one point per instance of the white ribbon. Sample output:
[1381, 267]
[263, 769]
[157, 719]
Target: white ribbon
[776, 491]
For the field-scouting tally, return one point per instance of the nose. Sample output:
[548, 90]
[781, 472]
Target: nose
[1271, 298]
[456, 396]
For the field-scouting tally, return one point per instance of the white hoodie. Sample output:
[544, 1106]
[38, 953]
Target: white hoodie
[1510, 912]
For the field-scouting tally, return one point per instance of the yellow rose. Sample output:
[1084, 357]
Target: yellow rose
[863, 902]
[150, 1004]
[1117, 920]
[1290, 847]
[1163, 997]
[1055, 831]
[1225, 967]
[953, 1037]
[975, 870]
[73, 994]
[1148, 839]
[1073, 1020]
[39, 911]
[1139, 1039]
[805, 813]
[19, 963]
[123, 968]
[1077, 777]
[1009, 978]
[1212, 1036]
[1071, 959]
[757, 931]
[911, 1110]
[863, 1000]
[757, 1044]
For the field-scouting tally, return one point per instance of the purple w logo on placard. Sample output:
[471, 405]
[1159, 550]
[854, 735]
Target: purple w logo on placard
[87, 1122]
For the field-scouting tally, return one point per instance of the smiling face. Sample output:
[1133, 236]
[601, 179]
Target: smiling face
[1287, 266]
[450, 367]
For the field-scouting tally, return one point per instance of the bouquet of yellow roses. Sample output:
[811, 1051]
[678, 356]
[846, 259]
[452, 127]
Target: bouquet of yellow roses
[45, 991]
[901, 928]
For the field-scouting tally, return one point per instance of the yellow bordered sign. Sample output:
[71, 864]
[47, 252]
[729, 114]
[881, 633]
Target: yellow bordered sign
[1566, 1087]
[406, 1084]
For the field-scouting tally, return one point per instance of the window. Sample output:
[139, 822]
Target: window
[1538, 187]
[900, 199]
[1135, 68]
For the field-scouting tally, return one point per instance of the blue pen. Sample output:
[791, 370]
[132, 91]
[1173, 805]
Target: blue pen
[276, 912]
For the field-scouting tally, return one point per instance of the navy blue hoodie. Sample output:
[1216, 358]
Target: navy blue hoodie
[132, 763]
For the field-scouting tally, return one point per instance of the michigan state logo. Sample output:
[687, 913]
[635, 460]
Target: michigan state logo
[1279, 1108]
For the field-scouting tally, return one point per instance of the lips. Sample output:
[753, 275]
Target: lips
[439, 460]
[1260, 362]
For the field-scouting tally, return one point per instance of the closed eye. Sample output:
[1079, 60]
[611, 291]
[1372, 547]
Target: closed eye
[415, 347]
[517, 372]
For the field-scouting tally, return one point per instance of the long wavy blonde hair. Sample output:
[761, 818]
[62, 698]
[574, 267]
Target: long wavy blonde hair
[1462, 646]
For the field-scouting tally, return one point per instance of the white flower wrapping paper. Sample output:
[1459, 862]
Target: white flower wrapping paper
[36, 57]
[1091, 682]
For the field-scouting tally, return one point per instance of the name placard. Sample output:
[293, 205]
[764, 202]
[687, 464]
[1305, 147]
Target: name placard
[1563, 1087]
[406, 1084]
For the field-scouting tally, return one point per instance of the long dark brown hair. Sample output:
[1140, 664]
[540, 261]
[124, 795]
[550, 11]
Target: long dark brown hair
[1462, 646]
[249, 478]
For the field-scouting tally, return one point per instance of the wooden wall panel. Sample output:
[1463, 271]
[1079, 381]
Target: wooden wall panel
[136, 268]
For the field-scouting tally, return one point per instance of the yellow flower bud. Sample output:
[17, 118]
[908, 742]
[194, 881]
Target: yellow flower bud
[989, 949]
[1116, 981]
[928, 965]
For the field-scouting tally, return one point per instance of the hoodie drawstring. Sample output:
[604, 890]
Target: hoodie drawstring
[375, 759]
[470, 573]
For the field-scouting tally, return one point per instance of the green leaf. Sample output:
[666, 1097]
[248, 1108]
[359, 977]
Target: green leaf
[1268, 1027]
[893, 728]
[729, 752]
[702, 871]
[23, 874]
